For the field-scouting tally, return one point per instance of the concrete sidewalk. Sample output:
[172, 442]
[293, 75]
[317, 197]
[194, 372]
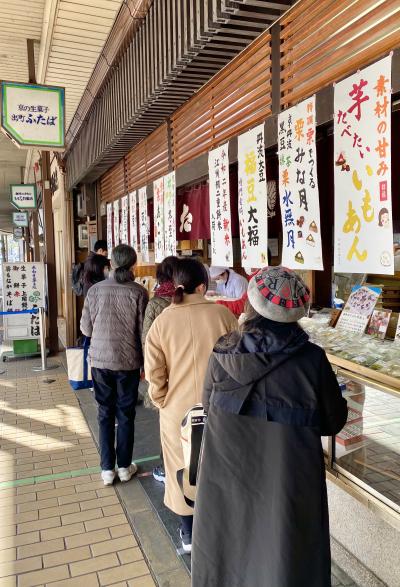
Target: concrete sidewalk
[60, 525]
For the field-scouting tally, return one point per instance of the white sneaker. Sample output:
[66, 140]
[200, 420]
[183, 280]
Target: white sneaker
[125, 474]
[186, 540]
[108, 477]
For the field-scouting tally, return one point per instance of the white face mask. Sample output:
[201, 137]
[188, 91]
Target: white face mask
[219, 281]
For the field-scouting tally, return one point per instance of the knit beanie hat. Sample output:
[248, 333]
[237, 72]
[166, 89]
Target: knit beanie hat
[279, 294]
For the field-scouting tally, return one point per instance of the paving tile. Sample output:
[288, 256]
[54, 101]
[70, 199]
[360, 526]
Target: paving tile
[44, 576]
[103, 502]
[38, 525]
[107, 522]
[89, 581]
[20, 566]
[97, 564]
[66, 556]
[114, 545]
[10, 554]
[28, 538]
[130, 556]
[40, 548]
[124, 572]
[83, 538]
[146, 581]
[121, 530]
[37, 505]
[62, 531]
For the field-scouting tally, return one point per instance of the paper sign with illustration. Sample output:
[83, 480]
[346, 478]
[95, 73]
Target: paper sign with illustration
[358, 309]
[379, 323]
[397, 336]
[363, 191]
[298, 187]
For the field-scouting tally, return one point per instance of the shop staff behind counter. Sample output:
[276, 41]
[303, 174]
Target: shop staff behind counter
[229, 283]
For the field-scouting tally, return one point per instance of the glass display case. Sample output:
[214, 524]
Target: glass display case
[367, 450]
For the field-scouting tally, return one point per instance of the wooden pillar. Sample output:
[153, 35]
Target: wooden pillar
[50, 255]
[35, 236]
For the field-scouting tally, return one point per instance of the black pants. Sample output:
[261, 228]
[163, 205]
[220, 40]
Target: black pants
[116, 393]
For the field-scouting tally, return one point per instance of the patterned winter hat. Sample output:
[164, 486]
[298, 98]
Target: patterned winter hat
[279, 294]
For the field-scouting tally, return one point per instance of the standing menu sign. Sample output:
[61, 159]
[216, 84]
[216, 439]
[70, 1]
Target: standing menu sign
[109, 227]
[133, 220]
[124, 221]
[253, 198]
[158, 188]
[363, 194]
[23, 289]
[144, 225]
[220, 207]
[170, 214]
[298, 188]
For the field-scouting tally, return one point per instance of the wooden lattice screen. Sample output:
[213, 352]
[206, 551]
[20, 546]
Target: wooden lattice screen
[112, 184]
[148, 160]
[234, 100]
[322, 42]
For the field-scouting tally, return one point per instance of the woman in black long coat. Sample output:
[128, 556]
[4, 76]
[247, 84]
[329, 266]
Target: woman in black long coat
[261, 517]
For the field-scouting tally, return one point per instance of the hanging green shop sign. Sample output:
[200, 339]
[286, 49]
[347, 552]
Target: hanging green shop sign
[23, 196]
[33, 115]
[18, 233]
[20, 219]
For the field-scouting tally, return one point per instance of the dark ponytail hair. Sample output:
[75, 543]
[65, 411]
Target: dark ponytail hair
[188, 275]
[123, 257]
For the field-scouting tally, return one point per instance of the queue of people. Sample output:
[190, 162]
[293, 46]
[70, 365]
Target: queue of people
[260, 515]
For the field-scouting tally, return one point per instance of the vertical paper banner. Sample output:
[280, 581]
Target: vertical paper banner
[158, 189]
[109, 227]
[170, 214]
[143, 225]
[298, 188]
[220, 207]
[253, 199]
[116, 223]
[133, 220]
[363, 192]
[124, 221]
[24, 288]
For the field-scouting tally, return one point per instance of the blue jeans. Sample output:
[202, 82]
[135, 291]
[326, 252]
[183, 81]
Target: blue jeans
[116, 393]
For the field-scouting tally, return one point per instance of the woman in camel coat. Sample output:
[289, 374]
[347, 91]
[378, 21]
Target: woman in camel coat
[178, 348]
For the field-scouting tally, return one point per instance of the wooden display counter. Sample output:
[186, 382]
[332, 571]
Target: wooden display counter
[359, 370]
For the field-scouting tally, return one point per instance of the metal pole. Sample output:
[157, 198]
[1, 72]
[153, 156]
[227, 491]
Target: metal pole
[42, 338]
[43, 350]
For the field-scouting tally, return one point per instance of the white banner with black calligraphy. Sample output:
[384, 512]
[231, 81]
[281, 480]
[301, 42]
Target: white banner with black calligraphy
[109, 227]
[116, 222]
[170, 214]
[143, 225]
[363, 191]
[23, 289]
[253, 199]
[133, 220]
[124, 221]
[220, 207]
[298, 187]
[158, 190]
